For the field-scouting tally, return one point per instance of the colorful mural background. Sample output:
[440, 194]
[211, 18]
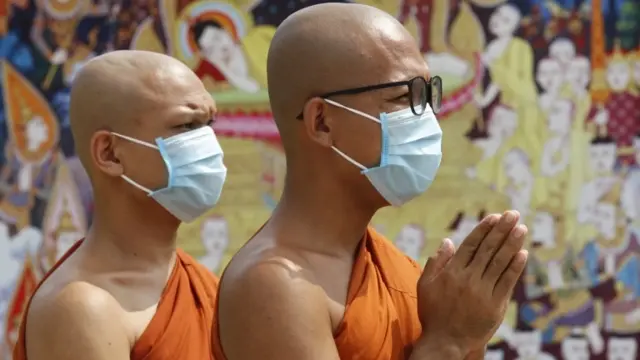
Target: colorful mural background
[541, 113]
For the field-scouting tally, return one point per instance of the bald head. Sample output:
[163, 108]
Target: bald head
[138, 94]
[334, 46]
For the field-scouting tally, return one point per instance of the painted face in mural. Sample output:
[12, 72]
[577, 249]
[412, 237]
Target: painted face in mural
[605, 220]
[215, 43]
[215, 235]
[504, 20]
[543, 229]
[528, 344]
[560, 117]
[579, 73]
[563, 51]
[504, 122]
[618, 75]
[549, 75]
[36, 133]
[575, 349]
[622, 348]
[410, 241]
[602, 156]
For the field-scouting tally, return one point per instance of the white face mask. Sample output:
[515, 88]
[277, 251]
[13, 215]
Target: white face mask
[196, 172]
[410, 156]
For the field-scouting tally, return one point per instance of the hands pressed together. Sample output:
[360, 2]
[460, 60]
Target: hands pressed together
[463, 294]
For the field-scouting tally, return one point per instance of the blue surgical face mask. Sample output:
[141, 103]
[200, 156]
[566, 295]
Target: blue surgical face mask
[411, 153]
[196, 172]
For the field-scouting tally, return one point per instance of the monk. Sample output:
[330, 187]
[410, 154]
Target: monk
[141, 122]
[349, 90]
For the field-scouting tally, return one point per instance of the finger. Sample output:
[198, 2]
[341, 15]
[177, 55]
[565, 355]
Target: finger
[469, 246]
[437, 262]
[492, 242]
[505, 254]
[509, 278]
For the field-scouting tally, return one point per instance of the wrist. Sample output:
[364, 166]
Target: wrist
[428, 349]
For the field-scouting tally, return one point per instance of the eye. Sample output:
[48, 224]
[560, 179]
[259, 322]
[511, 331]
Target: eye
[189, 126]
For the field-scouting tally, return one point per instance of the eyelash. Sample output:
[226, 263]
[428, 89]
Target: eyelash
[195, 124]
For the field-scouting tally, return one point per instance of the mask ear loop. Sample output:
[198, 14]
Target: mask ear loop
[139, 142]
[358, 112]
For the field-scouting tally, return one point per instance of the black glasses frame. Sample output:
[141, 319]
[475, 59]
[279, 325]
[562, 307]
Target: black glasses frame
[408, 83]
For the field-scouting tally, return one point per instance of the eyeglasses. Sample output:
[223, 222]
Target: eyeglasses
[421, 93]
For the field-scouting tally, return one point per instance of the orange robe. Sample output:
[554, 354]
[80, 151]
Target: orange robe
[181, 327]
[381, 317]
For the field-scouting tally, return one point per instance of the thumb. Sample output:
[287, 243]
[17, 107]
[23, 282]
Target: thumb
[437, 262]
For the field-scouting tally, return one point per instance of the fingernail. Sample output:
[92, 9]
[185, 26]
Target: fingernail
[519, 232]
[509, 216]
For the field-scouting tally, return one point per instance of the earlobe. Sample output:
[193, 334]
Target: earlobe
[104, 154]
[317, 122]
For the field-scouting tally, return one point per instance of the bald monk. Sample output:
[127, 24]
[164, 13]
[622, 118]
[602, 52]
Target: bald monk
[141, 125]
[316, 282]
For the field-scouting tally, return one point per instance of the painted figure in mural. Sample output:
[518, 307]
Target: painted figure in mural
[549, 77]
[502, 125]
[410, 241]
[128, 284]
[563, 51]
[509, 60]
[309, 56]
[575, 347]
[551, 265]
[601, 155]
[215, 238]
[222, 58]
[613, 254]
[31, 150]
[463, 225]
[555, 158]
[528, 345]
[622, 348]
[620, 117]
[54, 30]
[520, 181]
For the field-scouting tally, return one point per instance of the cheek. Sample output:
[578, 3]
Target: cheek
[147, 168]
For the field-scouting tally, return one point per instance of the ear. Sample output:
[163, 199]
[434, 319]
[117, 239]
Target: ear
[104, 153]
[317, 121]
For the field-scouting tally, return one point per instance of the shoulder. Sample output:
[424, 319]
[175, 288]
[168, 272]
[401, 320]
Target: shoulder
[272, 284]
[91, 318]
[273, 305]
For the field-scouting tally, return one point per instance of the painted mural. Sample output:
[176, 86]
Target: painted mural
[541, 113]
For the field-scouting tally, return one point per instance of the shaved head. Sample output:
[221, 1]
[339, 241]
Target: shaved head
[141, 95]
[327, 48]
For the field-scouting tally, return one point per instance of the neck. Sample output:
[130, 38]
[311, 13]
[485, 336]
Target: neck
[126, 235]
[324, 216]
